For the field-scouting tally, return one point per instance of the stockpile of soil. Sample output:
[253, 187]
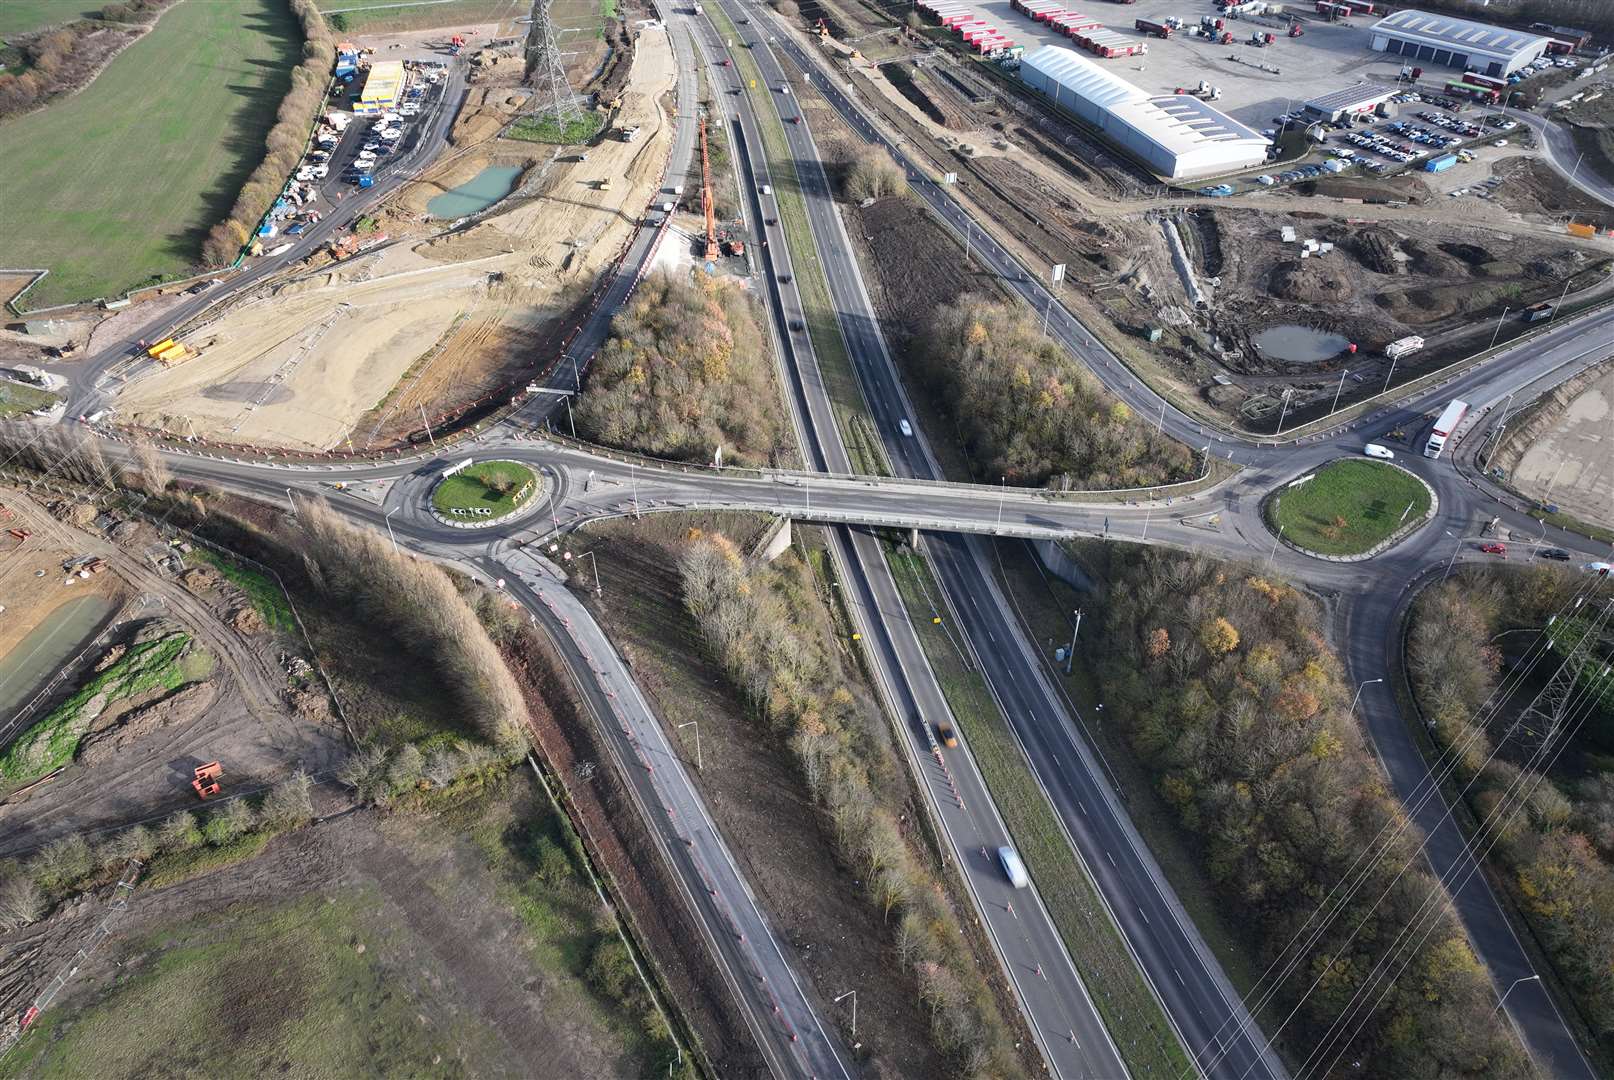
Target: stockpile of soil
[180, 707]
[1312, 281]
[1376, 250]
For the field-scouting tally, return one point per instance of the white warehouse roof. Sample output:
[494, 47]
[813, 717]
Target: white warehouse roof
[1177, 136]
[1082, 77]
[1449, 32]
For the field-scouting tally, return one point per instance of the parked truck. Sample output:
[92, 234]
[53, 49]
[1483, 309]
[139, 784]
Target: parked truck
[1152, 28]
[1403, 347]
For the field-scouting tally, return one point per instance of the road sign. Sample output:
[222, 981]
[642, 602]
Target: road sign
[950, 178]
[1057, 274]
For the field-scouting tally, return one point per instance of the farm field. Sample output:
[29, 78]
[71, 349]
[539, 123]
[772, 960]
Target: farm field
[119, 184]
[23, 16]
[391, 16]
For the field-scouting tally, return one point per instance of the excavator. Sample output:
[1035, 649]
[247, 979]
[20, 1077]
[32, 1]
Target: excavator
[712, 250]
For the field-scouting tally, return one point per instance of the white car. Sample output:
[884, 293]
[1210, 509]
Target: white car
[907, 428]
[1013, 868]
[1375, 450]
[1601, 569]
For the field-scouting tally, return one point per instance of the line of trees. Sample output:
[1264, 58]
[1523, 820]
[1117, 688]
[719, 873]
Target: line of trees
[357, 567]
[50, 60]
[31, 888]
[1553, 835]
[687, 369]
[1233, 700]
[1027, 412]
[771, 634]
[283, 146]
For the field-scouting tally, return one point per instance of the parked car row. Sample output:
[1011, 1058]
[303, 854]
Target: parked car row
[1421, 136]
[1460, 128]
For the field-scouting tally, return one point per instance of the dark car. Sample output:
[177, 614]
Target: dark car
[1555, 554]
[796, 326]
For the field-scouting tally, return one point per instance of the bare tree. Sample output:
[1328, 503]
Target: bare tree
[873, 176]
[21, 900]
[288, 803]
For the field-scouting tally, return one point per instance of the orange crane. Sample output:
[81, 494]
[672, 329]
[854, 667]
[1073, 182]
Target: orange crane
[706, 198]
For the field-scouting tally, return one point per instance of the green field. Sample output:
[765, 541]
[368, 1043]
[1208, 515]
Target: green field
[391, 16]
[16, 399]
[1347, 506]
[118, 185]
[22, 16]
[549, 129]
[250, 991]
[487, 485]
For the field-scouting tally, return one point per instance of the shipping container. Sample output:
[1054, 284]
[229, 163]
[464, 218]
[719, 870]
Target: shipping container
[1074, 23]
[1440, 164]
[1537, 312]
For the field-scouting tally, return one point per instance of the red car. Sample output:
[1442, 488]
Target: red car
[1495, 549]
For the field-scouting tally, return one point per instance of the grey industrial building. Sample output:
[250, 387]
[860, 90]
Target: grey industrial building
[1448, 41]
[1178, 137]
[1338, 104]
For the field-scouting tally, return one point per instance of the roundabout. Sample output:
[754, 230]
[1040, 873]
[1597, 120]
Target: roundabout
[1349, 509]
[478, 494]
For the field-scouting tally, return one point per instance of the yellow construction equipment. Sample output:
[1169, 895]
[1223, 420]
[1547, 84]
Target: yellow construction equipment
[160, 346]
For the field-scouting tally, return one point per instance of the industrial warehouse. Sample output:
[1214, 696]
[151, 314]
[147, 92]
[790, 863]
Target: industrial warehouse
[1177, 136]
[1458, 43]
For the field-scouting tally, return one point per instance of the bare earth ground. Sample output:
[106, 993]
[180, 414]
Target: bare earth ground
[303, 369]
[1571, 463]
[249, 726]
[405, 921]
[754, 792]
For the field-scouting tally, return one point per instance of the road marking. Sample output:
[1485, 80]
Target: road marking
[1110, 857]
[1145, 916]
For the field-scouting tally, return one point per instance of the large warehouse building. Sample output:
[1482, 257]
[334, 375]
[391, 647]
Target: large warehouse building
[1452, 42]
[1176, 136]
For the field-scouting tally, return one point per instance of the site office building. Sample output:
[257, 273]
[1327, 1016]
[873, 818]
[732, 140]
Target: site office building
[1457, 43]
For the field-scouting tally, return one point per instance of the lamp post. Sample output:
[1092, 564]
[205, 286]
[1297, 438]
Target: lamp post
[1003, 492]
[388, 520]
[1276, 540]
[1070, 657]
[596, 564]
[1500, 428]
[696, 725]
[1453, 560]
[1510, 989]
[853, 995]
[1498, 332]
[1391, 375]
[1339, 391]
[1359, 688]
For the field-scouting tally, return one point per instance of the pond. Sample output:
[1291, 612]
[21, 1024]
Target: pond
[480, 192]
[1299, 344]
[35, 658]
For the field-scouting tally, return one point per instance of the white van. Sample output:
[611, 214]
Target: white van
[1013, 868]
[1375, 450]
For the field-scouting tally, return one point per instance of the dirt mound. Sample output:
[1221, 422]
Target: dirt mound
[310, 704]
[1472, 254]
[1376, 249]
[199, 579]
[1434, 262]
[112, 656]
[81, 514]
[1312, 281]
[131, 534]
[246, 620]
[180, 707]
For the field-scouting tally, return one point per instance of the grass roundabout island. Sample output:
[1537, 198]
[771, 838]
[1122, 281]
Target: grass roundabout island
[484, 492]
[1348, 507]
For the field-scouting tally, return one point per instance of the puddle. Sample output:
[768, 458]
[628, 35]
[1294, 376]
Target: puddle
[1299, 344]
[480, 192]
[36, 657]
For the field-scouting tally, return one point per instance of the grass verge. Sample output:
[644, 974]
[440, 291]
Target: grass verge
[395, 16]
[190, 136]
[266, 595]
[1133, 1016]
[53, 741]
[170, 868]
[1348, 506]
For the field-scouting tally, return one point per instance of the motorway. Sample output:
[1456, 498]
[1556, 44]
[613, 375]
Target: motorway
[1225, 521]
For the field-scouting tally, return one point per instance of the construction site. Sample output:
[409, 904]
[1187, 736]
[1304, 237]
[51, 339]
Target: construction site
[1335, 268]
[409, 317]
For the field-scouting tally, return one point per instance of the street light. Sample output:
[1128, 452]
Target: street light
[1498, 333]
[388, 520]
[596, 564]
[696, 725]
[1358, 696]
[1510, 989]
[1003, 492]
[853, 995]
[1337, 392]
[1453, 561]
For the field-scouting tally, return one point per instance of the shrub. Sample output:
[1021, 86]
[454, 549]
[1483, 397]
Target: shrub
[288, 803]
[874, 176]
[228, 822]
[179, 832]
